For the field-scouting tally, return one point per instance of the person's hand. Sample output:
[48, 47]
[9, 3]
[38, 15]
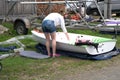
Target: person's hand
[67, 36]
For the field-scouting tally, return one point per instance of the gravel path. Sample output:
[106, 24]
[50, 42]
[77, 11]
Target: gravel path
[111, 72]
[108, 73]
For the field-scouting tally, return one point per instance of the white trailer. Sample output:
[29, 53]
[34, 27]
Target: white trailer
[21, 15]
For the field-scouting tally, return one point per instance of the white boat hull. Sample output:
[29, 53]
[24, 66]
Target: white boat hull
[104, 44]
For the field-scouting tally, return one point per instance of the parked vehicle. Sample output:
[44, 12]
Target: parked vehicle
[92, 8]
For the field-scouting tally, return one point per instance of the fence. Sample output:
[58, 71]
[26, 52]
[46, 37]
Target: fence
[13, 7]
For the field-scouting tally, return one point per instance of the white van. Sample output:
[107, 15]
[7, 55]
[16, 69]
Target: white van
[92, 8]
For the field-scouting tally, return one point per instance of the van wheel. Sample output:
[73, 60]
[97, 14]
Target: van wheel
[95, 12]
[117, 14]
[21, 28]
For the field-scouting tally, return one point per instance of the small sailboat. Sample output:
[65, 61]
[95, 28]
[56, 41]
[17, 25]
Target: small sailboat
[111, 26]
[79, 43]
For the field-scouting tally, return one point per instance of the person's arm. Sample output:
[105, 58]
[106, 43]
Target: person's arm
[64, 28]
[62, 23]
[67, 36]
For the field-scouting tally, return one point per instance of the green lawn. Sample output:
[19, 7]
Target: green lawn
[21, 68]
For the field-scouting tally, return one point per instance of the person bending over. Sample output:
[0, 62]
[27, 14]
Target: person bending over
[49, 24]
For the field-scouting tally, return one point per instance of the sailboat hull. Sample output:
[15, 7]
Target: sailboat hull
[103, 44]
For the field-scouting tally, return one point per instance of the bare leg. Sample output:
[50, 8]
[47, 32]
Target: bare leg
[47, 35]
[53, 36]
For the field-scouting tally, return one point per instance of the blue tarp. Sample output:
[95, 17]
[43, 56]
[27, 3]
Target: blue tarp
[41, 48]
[7, 49]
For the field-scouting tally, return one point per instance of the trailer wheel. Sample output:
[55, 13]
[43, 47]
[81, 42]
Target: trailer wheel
[0, 66]
[21, 28]
[91, 11]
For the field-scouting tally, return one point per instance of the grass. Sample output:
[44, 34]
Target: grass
[21, 68]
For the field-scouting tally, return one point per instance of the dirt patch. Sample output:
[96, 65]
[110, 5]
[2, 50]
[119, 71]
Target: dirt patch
[104, 70]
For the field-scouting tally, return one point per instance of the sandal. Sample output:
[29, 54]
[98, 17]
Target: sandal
[56, 55]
